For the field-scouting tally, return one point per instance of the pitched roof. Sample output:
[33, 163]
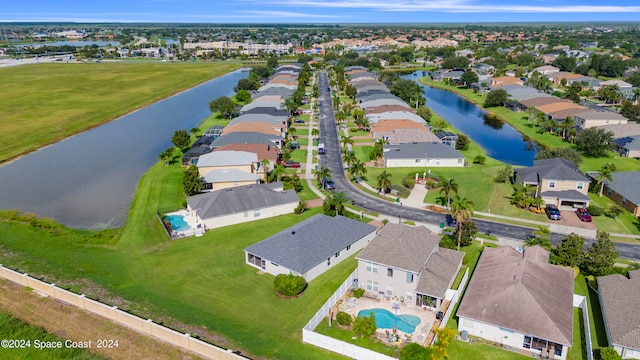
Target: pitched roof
[619, 296]
[440, 272]
[262, 151]
[386, 108]
[262, 117]
[630, 143]
[418, 150]
[558, 106]
[601, 115]
[390, 125]
[518, 293]
[239, 199]
[227, 158]
[627, 184]
[404, 136]
[310, 242]
[563, 114]
[259, 127]
[551, 169]
[245, 138]
[621, 130]
[229, 175]
[400, 115]
[380, 102]
[543, 101]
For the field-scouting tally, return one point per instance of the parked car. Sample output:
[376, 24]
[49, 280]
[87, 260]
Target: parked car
[298, 121]
[294, 145]
[583, 214]
[552, 212]
[328, 184]
[292, 164]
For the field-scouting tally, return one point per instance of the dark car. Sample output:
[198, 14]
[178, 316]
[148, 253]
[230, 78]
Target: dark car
[292, 164]
[552, 212]
[294, 145]
[298, 121]
[329, 184]
[583, 215]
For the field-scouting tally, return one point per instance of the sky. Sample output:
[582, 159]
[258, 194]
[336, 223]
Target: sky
[321, 11]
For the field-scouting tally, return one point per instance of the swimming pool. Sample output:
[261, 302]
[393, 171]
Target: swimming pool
[385, 319]
[178, 223]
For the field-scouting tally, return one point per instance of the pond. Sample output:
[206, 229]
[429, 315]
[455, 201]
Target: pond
[500, 140]
[89, 180]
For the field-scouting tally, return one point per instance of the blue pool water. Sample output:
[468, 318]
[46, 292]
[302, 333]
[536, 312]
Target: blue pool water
[178, 223]
[385, 319]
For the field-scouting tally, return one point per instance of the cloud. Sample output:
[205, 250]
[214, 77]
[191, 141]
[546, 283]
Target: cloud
[284, 14]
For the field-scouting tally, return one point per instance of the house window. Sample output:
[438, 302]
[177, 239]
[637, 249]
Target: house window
[527, 342]
[338, 254]
[372, 285]
[552, 184]
[460, 161]
[418, 160]
[235, 183]
[580, 186]
[624, 201]
[389, 290]
[371, 267]
[256, 213]
[348, 247]
[328, 261]
[409, 278]
[409, 297]
[608, 191]
[274, 264]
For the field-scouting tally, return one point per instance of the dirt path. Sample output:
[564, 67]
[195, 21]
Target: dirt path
[74, 324]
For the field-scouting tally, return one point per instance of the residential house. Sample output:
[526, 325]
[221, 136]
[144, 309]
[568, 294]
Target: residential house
[588, 119]
[396, 115]
[247, 138]
[630, 129]
[521, 301]
[223, 169]
[618, 297]
[402, 131]
[505, 80]
[258, 127]
[422, 155]
[626, 89]
[277, 121]
[628, 146]
[557, 181]
[240, 204]
[200, 147]
[381, 102]
[310, 247]
[625, 190]
[406, 262]
[387, 108]
[547, 70]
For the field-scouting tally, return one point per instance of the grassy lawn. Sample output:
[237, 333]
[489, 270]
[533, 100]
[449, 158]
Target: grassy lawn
[347, 336]
[11, 328]
[624, 223]
[462, 350]
[35, 100]
[596, 322]
[362, 152]
[299, 155]
[579, 350]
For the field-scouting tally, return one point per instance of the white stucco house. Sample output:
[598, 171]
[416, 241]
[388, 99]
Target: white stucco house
[310, 247]
[425, 154]
[240, 204]
[406, 262]
[520, 300]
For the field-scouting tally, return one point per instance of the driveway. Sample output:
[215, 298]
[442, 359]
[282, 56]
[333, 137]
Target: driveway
[569, 218]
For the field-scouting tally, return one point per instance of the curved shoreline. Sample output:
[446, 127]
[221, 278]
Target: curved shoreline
[11, 159]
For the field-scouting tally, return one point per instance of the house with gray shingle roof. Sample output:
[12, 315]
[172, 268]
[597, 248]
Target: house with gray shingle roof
[557, 181]
[628, 146]
[406, 262]
[424, 154]
[310, 247]
[246, 138]
[625, 190]
[618, 297]
[520, 300]
[588, 119]
[240, 204]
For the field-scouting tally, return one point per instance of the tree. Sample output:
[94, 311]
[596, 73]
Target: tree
[425, 113]
[438, 125]
[630, 111]
[243, 96]
[192, 181]
[351, 91]
[461, 210]
[272, 62]
[479, 159]
[345, 141]
[601, 256]
[358, 169]
[292, 132]
[383, 181]
[277, 172]
[496, 98]
[606, 173]
[265, 164]
[246, 84]
[290, 104]
[570, 251]
[541, 236]
[181, 139]
[194, 131]
[463, 142]
[334, 204]
[321, 173]
[607, 353]
[505, 174]
[365, 326]
[223, 105]
[448, 186]
[349, 157]
[469, 230]
[166, 156]
[469, 77]
[566, 124]
[615, 210]
[566, 153]
[455, 62]
[409, 91]
[594, 142]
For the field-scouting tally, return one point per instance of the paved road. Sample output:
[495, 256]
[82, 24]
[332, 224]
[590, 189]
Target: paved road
[333, 160]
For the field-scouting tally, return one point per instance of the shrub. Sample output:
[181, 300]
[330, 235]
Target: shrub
[409, 182]
[615, 210]
[343, 318]
[365, 326]
[595, 210]
[358, 292]
[289, 285]
[300, 208]
[609, 354]
[402, 191]
[480, 160]
[430, 184]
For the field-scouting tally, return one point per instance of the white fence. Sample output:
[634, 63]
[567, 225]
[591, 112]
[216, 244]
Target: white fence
[580, 302]
[145, 326]
[329, 343]
[454, 299]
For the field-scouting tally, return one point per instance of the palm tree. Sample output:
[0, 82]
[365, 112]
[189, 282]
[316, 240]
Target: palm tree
[166, 155]
[461, 210]
[292, 130]
[265, 168]
[278, 171]
[448, 186]
[336, 101]
[290, 105]
[349, 158]
[358, 169]
[537, 202]
[321, 174]
[341, 116]
[541, 236]
[195, 131]
[606, 173]
[564, 125]
[346, 140]
[315, 132]
[384, 180]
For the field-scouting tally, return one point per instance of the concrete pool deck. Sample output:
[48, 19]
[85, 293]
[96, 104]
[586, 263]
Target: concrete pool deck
[193, 230]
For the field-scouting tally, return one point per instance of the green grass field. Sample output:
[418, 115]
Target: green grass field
[41, 104]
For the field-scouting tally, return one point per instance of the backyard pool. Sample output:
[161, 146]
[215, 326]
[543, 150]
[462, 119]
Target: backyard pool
[385, 319]
[178, 223]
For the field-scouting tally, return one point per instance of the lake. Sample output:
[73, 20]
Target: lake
[499, 140]
[89, 180]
